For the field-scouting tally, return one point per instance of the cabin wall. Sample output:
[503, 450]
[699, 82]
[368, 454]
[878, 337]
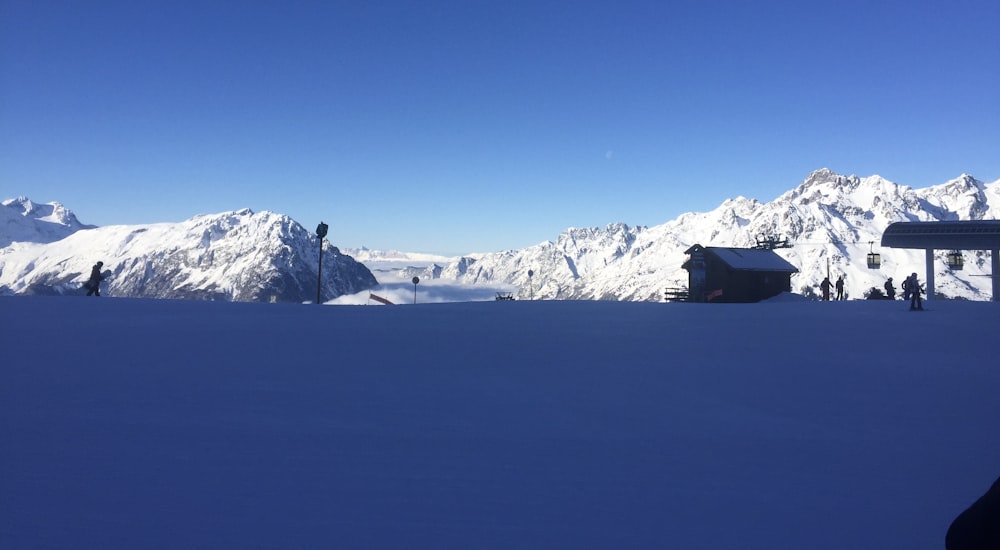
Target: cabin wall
[745, 286]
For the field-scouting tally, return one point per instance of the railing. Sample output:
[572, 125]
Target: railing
[676, 294]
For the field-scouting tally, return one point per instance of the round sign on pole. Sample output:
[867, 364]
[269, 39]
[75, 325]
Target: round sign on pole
[415, 281]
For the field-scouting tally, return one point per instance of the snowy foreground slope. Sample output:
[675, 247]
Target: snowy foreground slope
[132, 423]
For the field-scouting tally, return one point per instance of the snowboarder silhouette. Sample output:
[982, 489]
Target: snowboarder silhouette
[93, 285]
[890, 290]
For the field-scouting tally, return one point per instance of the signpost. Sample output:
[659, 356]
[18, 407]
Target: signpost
[415, 281]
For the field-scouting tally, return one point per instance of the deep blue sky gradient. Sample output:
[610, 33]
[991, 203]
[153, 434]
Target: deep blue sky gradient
[464, 126]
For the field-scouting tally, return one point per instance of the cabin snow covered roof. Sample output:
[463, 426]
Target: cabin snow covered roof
[747, 259]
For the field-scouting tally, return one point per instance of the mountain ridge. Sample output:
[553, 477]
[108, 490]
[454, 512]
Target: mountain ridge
[833, 221]
[239, 256]
[49, 222]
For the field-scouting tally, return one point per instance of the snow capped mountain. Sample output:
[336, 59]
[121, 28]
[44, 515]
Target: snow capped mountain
[240, 256]
[24, 221]
[832, 221]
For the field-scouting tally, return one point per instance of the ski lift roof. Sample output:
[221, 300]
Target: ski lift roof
[960, 235]
[748, 259]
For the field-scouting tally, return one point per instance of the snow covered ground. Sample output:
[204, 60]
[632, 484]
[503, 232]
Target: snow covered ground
[129, 423]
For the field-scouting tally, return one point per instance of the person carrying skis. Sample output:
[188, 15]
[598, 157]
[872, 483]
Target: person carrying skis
[890, 291]
[914, 289]
[93, 285]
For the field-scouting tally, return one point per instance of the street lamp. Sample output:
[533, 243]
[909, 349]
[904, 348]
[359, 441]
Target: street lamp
[531, 287]
[321, 230]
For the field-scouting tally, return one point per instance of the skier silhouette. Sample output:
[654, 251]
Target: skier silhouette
[840, 288]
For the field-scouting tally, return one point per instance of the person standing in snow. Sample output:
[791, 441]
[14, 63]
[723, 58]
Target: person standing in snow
[825, 287]
[890, 290]
[913, 287]
[978, 527]
[840, 288]
[93, 285]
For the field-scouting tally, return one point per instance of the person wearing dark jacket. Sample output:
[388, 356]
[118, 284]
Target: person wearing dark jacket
[978, 527]
[914, 287]
[890, 290]
[825, 287]
[93, 285]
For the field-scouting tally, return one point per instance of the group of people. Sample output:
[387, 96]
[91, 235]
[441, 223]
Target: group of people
[826, 285]
[911, 290]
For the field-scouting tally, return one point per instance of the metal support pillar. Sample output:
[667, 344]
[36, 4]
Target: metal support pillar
[930, 274]
[995, 273]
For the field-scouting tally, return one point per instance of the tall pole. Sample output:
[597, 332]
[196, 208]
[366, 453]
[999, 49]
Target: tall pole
[321, 230]
[319, 276]
[415, 281]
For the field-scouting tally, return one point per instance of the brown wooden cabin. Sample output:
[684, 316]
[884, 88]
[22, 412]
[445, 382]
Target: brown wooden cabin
[736, 275]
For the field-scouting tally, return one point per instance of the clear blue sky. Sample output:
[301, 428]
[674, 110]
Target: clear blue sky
[464, 126]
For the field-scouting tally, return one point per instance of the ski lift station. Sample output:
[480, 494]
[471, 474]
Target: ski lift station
[951, 235]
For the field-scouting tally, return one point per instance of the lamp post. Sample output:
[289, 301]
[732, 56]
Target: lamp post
[531, 287]
[321, 230]
[415, 281]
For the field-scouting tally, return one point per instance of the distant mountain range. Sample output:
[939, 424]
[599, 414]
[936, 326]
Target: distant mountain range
[238, 256]
[830, 220]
